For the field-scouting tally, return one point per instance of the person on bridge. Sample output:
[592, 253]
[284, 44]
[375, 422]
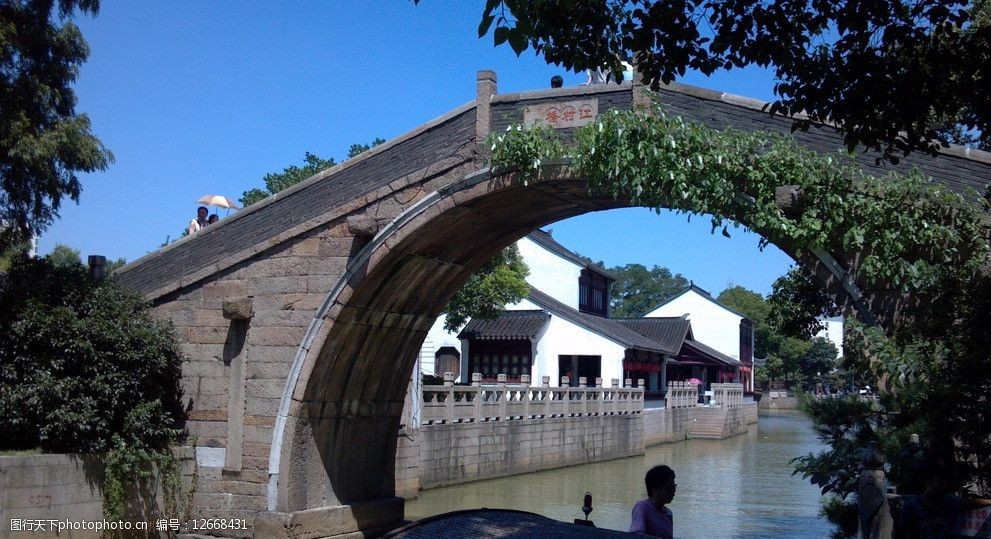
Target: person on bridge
[197, 224]
[213, 219]
[651, 516]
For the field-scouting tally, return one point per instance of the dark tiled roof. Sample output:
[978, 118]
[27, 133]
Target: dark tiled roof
[509, 325]
[545, 240]
[610, 329]
[702, 292]
[667, 332]
[711, 353]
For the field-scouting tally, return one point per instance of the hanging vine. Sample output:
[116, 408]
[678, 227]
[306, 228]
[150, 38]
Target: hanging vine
[901, 233]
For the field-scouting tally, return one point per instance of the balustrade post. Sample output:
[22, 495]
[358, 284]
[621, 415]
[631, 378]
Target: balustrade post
[525, 396]
[545, 381]
[501, 382]
[449, 402]
[583, 395]
[476, 383]
[597, 409]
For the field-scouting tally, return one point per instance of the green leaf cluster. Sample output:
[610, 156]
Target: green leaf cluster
[500, 282]
[83, 365]
[896, 75]
[291, 175]
[901, 234]
[637, 289]
[44, 143]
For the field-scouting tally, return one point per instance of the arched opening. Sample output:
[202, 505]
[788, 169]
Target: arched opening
[336, 442]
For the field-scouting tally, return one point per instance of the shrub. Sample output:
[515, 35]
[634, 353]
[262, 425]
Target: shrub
[82, 363]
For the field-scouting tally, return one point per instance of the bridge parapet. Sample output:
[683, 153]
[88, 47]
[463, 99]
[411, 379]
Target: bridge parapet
[681, 395]
[727, 395]
[508, 402]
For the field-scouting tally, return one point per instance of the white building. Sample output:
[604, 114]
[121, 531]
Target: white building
[832, 331]
[563, 329]
[718, 326]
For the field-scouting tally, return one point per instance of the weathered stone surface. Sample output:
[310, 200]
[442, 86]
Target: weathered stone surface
[238, 309]
[362, 226]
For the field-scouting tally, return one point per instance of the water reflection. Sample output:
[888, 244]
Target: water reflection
[740, 487]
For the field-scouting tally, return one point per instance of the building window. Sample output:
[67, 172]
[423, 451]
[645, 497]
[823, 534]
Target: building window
[593, 293]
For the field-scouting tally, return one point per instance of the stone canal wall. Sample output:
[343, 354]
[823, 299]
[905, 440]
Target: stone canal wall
[481, 432]
[36, 489]
[464, 452]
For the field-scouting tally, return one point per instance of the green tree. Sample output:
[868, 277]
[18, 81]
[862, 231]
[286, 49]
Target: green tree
[818, 361]
[291, 175]
[44, 143]
[827, 56]
[357, 149]
[83, 366]
[501, 281]
[638, 289]
[797, 303]
[64, 256]
[924, 246]
[767, 337]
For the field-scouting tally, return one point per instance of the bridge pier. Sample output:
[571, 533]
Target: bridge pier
[357, 520]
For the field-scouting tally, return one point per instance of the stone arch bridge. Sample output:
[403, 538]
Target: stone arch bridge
[302, 315]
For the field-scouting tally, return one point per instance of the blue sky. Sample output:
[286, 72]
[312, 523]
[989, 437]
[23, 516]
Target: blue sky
[207, 97]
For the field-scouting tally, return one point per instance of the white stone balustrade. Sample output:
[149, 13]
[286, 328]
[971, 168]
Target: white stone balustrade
[681, 395]
[727, 395]
[506, 402]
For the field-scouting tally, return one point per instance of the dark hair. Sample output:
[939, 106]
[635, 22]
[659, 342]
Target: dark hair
[201, 208]
[213, 217]
[657, 477]
[557, 81]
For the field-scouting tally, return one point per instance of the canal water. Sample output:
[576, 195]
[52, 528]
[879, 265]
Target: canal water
[740, 487]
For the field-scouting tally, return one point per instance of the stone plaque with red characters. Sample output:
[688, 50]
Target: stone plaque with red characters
[562, 115]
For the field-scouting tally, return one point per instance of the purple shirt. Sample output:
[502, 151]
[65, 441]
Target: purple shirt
[648, 519]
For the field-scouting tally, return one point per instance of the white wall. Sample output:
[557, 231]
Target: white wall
[562, 337]
[712, 324]
[549, 273]
[436, 338]
[833, 332]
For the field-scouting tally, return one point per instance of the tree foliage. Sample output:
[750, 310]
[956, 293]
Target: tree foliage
[63, 256]
[906, 236]
[798, 302]
[895, 75]
[500, 282]
[638, 289]
[44, 142]
[83, 366]
[291, 175]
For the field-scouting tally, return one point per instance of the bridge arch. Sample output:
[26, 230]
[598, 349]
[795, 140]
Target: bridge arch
[305, 420]
[350, 384]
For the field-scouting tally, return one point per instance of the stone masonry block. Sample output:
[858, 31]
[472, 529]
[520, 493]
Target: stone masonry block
[306, 247]
[264, 370]
[283, 318]
[266, 388]
[261, 406]
[260, 353]
[221, 290]
[275, 336]
[206, 335]
[238, 309]
[276, 285]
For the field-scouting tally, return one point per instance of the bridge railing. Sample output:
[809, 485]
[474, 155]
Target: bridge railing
[681, 395]
[727, 395]
[506, 402]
